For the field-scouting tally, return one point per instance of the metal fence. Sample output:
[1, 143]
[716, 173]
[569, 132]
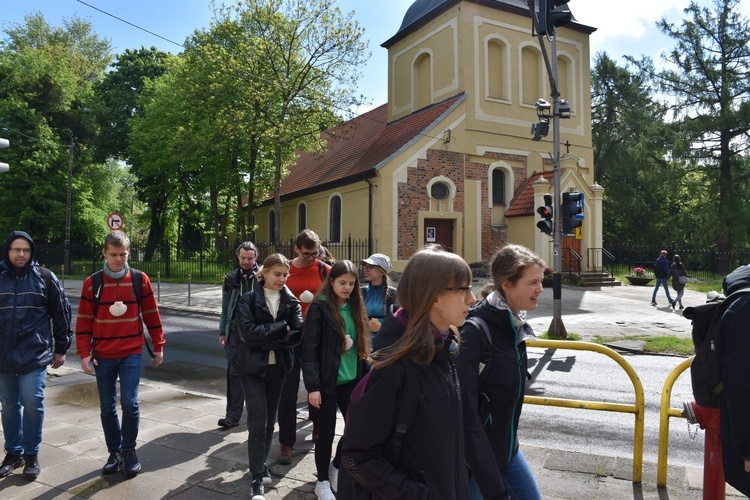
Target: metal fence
[702, 263]
[180, 263]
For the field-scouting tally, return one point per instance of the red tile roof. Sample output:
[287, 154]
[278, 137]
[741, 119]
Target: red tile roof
[523, 202]
[361, 144]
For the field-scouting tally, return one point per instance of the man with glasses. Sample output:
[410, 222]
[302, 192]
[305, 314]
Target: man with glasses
[306, 275]
[35, 332]
[238, 281]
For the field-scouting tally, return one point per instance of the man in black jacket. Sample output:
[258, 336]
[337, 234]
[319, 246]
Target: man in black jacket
[31, 299]
[237, 282]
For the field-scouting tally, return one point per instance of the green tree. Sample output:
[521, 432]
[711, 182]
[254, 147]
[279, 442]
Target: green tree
[46, 77]
[707, 81]
[302, 58]
[117, 98]
[629, 139]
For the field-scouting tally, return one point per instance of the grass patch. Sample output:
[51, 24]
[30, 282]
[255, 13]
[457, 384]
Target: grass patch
[571, 336]
[663, 345]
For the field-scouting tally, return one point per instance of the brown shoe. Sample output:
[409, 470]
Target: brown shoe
[285, 455]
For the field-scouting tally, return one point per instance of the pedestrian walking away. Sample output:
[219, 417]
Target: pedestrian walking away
[426, 459]
[492, 369]
[269, 325]
[238, 281]
[679, 275]
[661, 272]
[335, 347]
[35, 332]
[109, 341]
[306, 275]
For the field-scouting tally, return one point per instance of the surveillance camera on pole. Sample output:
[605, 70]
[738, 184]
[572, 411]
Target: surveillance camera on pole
[4, 143]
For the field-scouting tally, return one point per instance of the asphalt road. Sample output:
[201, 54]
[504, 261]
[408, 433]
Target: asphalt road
[590, 376]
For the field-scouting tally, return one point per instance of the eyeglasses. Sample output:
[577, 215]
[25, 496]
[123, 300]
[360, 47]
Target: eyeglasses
[309, 255]
[466, 289]
[368, 267]
[20, 250]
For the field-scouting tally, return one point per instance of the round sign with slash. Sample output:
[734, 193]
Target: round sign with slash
[114, 221]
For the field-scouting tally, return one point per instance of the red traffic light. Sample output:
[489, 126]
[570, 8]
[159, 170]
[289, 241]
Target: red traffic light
[546, 226]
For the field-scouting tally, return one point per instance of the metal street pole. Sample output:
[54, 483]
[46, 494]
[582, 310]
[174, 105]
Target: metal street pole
[556, 327]
[67, 209]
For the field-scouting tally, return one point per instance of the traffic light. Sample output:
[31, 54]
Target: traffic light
[572, 205]
[546, 225]
[552, 15]
[4, 144]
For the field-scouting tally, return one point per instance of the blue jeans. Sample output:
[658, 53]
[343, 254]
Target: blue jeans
[660, 282]
[129, 371]
[23, 429]
[518, 478]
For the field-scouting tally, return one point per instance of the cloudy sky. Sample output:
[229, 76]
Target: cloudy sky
[623, 28]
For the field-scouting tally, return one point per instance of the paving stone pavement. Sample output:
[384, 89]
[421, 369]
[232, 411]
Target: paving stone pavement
[184, 455]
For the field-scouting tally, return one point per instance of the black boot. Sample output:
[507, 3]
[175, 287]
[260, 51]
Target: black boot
[11, 462]
[31, 470]
[113, 464]
[132, 465]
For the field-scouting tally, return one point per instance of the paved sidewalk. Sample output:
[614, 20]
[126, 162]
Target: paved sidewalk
[184, 454]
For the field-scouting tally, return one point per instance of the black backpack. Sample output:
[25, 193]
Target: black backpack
[705, 369]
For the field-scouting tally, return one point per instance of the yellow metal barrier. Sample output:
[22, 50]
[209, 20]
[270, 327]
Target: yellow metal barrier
[638, 408]
[666, 411]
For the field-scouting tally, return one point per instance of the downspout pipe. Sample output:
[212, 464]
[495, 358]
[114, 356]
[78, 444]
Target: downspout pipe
[369, 215]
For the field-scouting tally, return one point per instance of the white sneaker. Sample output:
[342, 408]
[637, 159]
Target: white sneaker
[323, 491]
[333, 477]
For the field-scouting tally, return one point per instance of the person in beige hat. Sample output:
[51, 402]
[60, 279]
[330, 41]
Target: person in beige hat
[379, 296]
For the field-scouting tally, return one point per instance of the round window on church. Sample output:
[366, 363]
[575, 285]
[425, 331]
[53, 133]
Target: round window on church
[439, 191]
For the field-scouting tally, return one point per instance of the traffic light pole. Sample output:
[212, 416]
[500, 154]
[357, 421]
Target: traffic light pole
[556, 328]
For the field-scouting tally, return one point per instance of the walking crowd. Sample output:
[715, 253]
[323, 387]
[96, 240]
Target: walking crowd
[430, 379]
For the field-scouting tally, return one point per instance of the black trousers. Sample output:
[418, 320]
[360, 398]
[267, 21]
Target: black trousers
[288, 404]
[262, 395]
[235, 396]
[327, 423]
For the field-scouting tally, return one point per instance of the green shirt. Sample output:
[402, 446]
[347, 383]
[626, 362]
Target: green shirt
[348, 364]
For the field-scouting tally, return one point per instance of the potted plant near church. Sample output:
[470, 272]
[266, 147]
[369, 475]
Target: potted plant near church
[638, 277]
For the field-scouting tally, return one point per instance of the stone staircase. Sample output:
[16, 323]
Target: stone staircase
[596, 279]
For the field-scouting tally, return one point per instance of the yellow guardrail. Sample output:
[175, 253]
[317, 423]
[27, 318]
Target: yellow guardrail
[666, 411]
[638, 409]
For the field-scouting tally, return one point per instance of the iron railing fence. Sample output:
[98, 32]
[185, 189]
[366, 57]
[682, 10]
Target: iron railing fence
[181, 262]
[701, 263]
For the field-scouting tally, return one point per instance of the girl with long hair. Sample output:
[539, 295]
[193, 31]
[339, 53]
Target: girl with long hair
[336, 339]
[420, 340]
[269, 323]
[493, 400]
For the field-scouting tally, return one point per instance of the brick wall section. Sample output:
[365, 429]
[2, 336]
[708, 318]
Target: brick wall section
[413, 196]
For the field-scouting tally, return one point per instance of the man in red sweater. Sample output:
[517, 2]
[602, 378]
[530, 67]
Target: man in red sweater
[306, 275]
[109, 341]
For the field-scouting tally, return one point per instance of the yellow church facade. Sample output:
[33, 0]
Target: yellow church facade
[450, 158]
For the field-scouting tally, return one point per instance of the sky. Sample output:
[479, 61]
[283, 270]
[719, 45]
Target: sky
[623, 28]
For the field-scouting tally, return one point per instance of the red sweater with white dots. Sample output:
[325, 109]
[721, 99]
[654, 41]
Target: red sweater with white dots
[110, 336]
